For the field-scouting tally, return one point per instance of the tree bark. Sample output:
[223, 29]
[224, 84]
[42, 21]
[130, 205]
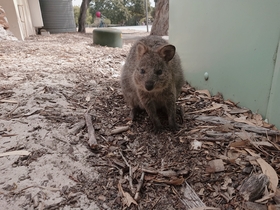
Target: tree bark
[161, 21]
[83, 16]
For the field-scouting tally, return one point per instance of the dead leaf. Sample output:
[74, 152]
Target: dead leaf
[258, 119]
[149, 177]
[196, 145]
[229, 102]
[226, 127]
[232, 155]
[226, 108]
[174, 181]
[194, 131]
[127, 198]
[267, 125]
[272, 207]
[277, 197]
[227, 181]
[265, 198]
[186, 89]
[240, 143]
[206, 92]
[245, 135]
[238, 111]
[168, 173]
[243, 120]
[101, 197]
[267, 170]
[262, 143]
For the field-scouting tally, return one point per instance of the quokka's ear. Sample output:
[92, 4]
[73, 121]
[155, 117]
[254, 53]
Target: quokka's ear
[167, 52]
[141, 49]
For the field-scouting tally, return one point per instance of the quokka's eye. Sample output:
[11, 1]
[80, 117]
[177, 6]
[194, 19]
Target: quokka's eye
[142, 71]
[159, 72]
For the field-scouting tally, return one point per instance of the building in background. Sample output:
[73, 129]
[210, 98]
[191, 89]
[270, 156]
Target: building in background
[24, 17]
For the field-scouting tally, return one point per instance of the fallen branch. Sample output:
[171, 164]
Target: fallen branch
[120, 129]
[210, 139]
[17, 152]
[167, 173]
[156, 202]
[31, 113]
[150, 171]
[8, 101]
[91, 132]
[141, 181]
[190, 199]
[12, 102]
[215, 106]
[130, 173]
[172, 181]
[77, 127]
[8, 135]
[250, 128]
[32, 186]
[217, 134]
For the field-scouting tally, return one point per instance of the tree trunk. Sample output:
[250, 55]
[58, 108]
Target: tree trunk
[161, 21]
[83, 16]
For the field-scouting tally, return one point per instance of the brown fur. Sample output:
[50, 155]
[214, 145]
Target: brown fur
[152, 79]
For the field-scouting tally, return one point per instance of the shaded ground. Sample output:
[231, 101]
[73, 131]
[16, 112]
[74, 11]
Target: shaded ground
[47, 85]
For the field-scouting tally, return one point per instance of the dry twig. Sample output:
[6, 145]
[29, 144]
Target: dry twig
[13, 102]
[250, 128]
[120, 129]
[136, 197]
[130, 173]
[91, 132]
[77, 127]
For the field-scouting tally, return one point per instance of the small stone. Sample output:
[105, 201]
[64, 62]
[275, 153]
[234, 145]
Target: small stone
[247, 170]
[215, 166]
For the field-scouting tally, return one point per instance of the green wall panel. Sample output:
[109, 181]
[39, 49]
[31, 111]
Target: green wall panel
[236, 42]
[273, 110]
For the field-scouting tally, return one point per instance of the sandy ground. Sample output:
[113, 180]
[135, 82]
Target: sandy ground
[36, 75]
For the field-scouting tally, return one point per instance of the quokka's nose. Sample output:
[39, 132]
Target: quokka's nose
[149, 85]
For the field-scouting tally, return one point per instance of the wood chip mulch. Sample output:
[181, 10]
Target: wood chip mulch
[67, 141]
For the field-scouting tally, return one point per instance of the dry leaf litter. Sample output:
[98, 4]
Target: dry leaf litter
[67, 141]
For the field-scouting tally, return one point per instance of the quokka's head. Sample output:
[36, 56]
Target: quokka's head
[152, 72]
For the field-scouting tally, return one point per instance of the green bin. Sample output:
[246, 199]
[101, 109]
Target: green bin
[107, 37]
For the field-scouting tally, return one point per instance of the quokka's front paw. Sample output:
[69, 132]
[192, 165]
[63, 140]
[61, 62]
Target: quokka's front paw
[157, 129]
[174, 127]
